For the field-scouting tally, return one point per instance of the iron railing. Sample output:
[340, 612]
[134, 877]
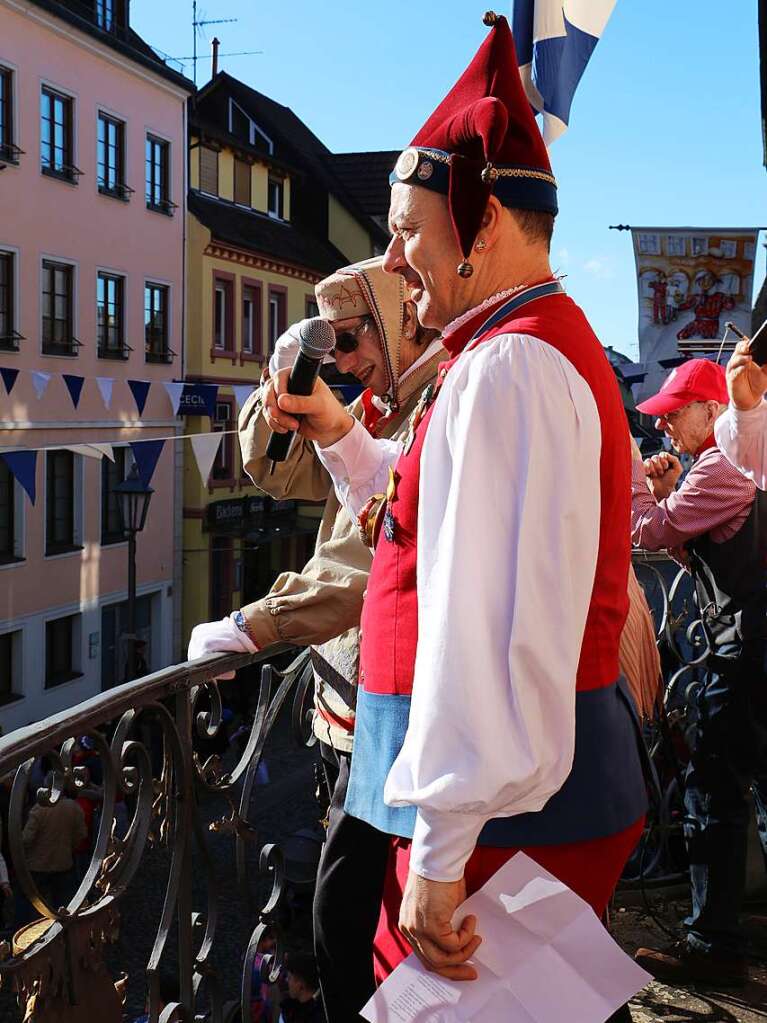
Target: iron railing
[660, 858]
[145, 733]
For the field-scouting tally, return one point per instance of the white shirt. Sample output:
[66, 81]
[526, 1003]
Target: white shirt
[508, 533]
[742, 436]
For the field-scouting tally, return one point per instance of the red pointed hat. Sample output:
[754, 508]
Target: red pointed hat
[482, 139]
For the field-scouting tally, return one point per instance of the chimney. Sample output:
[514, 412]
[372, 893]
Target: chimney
[215, 45]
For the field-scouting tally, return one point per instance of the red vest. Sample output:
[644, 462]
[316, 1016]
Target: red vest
[607, 749]
[390, 614]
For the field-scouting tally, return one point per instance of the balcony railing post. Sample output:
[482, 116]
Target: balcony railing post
[184, 786]
[131, 667]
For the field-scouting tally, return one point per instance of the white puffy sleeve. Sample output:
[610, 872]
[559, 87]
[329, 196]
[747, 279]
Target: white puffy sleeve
[359, 466]
[508, 532]
[742, 437]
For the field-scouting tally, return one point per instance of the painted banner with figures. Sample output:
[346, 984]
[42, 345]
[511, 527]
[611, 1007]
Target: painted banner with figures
[691, 281]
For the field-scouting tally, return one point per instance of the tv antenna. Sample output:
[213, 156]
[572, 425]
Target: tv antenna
[197, 26]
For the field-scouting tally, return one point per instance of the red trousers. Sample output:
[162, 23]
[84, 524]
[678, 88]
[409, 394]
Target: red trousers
[590, 869]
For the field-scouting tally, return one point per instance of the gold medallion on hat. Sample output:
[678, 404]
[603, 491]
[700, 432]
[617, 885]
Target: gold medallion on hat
[406, 163]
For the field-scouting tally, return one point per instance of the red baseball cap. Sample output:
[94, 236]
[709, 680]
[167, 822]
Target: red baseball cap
[694, 380]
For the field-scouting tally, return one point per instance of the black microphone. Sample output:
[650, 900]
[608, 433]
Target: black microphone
[316, 339]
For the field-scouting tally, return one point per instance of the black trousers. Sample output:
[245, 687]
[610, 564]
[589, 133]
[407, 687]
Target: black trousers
[347, 902]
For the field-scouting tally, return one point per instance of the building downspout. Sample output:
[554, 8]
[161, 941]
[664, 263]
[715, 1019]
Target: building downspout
[178, 460]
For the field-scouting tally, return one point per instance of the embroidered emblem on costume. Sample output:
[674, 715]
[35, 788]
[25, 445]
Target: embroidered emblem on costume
[416, 416]
[426, 170]
[389, 523]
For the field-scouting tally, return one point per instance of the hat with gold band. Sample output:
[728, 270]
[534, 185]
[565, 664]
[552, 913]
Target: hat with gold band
[482, 140]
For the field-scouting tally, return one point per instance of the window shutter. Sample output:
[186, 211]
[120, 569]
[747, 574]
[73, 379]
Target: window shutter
[208, 170]
[242, 182]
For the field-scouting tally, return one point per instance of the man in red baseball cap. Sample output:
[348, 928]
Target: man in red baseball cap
[715, 522]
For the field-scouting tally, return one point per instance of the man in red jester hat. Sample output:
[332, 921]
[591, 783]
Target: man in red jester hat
[491, 716]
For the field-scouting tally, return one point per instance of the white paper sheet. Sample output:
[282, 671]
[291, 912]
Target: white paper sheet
[545, 957]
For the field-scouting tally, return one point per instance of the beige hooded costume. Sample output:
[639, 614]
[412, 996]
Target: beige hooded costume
[321, 605]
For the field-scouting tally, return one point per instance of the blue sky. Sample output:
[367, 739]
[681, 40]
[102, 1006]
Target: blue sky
[664, 130]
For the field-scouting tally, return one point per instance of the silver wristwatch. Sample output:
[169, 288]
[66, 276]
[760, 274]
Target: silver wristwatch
[242, 624]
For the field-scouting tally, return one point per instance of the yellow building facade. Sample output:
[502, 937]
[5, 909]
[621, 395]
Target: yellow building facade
[264, 226]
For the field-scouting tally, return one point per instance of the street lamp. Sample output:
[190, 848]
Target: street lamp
[132, 504]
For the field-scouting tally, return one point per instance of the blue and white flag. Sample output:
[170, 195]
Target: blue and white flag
[555, 40]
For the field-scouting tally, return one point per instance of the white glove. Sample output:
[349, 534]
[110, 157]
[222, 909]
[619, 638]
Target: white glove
[286, 350]
[223, 637]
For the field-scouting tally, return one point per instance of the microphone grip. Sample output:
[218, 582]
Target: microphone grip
[301, 381]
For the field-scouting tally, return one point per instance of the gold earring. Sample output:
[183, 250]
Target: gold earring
[481, 244]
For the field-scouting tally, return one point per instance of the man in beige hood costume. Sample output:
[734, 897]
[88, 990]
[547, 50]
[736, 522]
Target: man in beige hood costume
[380, 342]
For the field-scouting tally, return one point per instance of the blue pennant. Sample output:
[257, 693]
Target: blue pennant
[198, 400]
[147, 453]
[9, 378]
[74, 386]
[139, 390]
[23, 465]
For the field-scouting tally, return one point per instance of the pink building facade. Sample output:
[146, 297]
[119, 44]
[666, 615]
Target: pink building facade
[92, 202]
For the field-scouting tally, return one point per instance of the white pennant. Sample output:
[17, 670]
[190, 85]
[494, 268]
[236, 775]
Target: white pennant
[40, 382]
[175, 391]
[242, 393]
[205, 447]
[105, 386]
[93, 450]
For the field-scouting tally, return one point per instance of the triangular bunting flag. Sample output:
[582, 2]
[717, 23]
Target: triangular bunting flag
[175, 391]
[200, 399]
[40, 382]
[93, 450]
[9, 378]
[23, 465]
[106, 450]
[146, 453]
[205, 447]
[139, 390]
[74, 386]
[105, 385]
[241, 393]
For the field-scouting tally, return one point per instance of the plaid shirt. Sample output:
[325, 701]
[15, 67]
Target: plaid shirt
[713, 498]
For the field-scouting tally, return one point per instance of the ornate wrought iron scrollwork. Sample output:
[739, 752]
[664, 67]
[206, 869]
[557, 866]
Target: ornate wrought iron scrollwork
[143, 735]
[684, 648]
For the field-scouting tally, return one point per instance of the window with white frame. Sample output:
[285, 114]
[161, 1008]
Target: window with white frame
[276, 198]
[112, 474]
[223, 466]
[110, 317]
[9, 153]
[62, 650]
[244, 127]
[251, 319]
[63, 501]
[11, 517]
[58, 309]
[110, 164]
[9, 336]
[105, 14]
[57, 134]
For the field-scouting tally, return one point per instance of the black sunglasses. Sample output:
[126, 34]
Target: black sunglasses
[348, 340]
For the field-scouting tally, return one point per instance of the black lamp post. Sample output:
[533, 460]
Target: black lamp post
[133, 504]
